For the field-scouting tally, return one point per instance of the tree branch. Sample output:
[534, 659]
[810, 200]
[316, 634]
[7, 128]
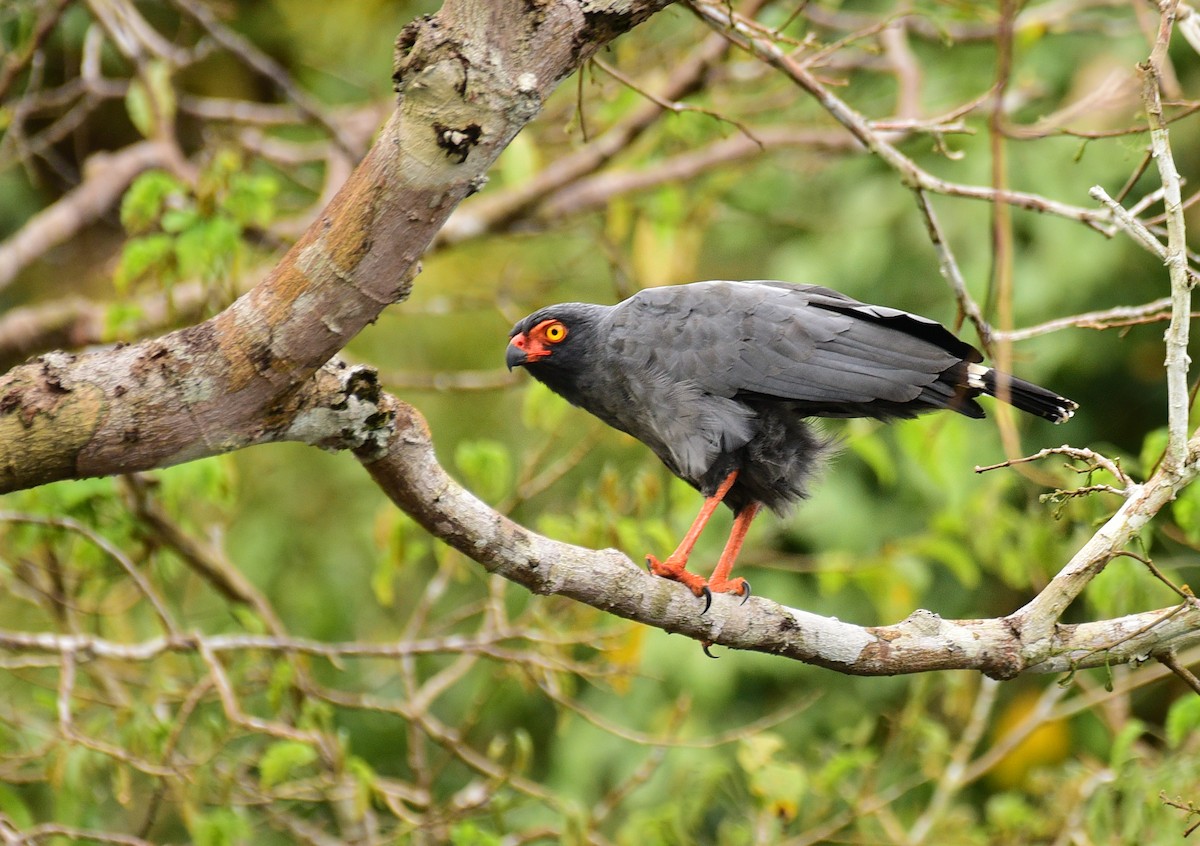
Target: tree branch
[1031, 640]
[106, 176]
[468, 79]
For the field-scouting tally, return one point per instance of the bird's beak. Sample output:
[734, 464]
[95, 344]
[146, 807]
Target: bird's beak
[516, 356]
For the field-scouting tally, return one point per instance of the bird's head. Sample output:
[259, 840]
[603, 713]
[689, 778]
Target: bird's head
[552, 339]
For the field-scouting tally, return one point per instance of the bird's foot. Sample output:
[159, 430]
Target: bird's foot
[677, 571]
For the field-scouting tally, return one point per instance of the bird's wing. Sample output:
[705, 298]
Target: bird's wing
[801, 343]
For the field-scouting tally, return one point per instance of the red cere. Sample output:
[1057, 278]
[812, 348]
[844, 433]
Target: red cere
[531, 346]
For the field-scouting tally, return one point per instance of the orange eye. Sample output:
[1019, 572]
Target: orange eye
[555, 332]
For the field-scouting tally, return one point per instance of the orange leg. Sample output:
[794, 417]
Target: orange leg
[720, 581]
[675, 567]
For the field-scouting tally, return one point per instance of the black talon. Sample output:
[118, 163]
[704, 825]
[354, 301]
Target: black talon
[707, 594]
[745, 591]
[704, 644]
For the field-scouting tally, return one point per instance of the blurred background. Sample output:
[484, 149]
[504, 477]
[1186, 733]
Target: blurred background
[187, 143]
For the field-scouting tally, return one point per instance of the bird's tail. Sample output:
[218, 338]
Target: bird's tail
[1020, 394]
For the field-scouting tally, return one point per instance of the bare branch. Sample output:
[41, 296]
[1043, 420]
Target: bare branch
[1109, 318]
[1031, 639]
[1176, 259]
[244, 365]
[1171, 661]
[110, 549]
[718, 16]
[1093, 459]
[106, 176]
[17, 61]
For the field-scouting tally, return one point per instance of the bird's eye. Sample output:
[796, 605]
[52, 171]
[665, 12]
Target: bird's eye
[555, 332]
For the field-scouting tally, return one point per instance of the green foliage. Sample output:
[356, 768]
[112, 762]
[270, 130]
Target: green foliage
[150, 100]
[281, 761]
[1183, 720]
[486, 466]
[222, 827]
[181, 232]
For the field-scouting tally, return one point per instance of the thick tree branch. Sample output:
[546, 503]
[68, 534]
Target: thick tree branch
[468, 79]
[1031, 640]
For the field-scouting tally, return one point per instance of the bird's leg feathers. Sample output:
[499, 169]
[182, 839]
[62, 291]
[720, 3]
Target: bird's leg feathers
[675, 567]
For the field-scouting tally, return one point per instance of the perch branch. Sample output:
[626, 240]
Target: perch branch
[1029, 640]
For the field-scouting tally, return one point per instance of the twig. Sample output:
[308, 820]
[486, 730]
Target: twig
[110, 549]
[1109, 318]
[1093, 458]
[106, 176]
[950, 270]
[87, 646]
[1041, 713]
[1137, 230]
[734, 27]
[1183, 593]
[270, 70]
[1176, 256]
[66, 725]
[953, 776]
[235, 714]
[16, 61]
[1171, 662]
[496, 211]
[673, 106]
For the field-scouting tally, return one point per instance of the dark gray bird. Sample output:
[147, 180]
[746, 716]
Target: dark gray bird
[718, 379]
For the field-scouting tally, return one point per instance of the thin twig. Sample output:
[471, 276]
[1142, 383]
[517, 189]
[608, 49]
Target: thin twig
[1110, 318]
[1091, 457]
[950, 270]
[953, 775]
[736, 28]
[270, 70]
[110, 549]
[1171, 662]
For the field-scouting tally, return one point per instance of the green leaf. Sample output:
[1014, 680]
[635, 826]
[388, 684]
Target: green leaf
[143, 258]
[179, 220]
[874, 453]
[1123, 745]
[150, 100]
[146, 198]
[383, 581]
[364, 783]
[1182, 720]
[953, 556]
[281, 760]
[14, 807]
[469, 834]
[207, 249]
[519, 161]
[542, 409]
[487, 467]
[251, 200]
[282, 677]
[222, 827]
[1153, 447]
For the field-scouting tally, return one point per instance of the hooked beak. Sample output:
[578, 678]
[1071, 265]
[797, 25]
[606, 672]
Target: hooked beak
[516, 356]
